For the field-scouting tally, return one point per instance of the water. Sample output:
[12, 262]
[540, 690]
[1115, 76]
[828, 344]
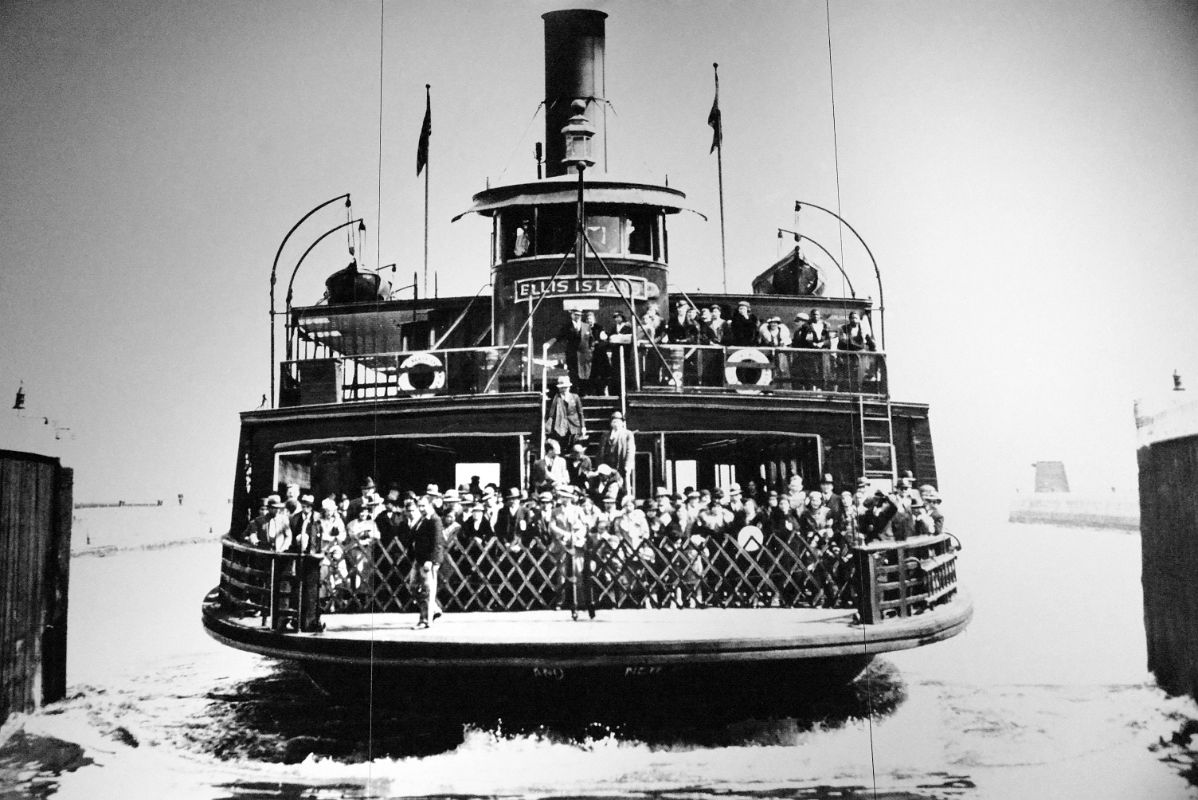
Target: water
[1045, 695]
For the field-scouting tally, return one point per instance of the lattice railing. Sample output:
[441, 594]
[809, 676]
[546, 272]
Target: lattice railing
[481, 575]
[881, 580]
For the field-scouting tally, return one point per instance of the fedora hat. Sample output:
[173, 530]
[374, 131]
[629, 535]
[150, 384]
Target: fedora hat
[513, 494]
[563, 381]
[367, 483]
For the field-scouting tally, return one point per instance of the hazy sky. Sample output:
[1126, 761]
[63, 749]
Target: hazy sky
[1023, 171]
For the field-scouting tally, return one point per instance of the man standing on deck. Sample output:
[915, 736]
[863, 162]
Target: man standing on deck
[618, 449]
[580, 343]
[428, 546]
[305, 527]
[564, 420]
[255, 532]
[568, 531]
[277, 531]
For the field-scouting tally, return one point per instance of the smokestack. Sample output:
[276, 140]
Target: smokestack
[574, 70]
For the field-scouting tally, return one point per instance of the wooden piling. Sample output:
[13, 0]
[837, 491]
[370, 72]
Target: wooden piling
[35, 550]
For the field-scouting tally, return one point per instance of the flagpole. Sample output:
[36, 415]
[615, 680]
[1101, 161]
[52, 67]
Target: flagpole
[719, 160]
[427, 169]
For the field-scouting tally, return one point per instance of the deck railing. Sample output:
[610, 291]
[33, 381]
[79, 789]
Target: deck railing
[906, 578]
[668, 367]
[881, 580]
[416, 373]
[689, 367]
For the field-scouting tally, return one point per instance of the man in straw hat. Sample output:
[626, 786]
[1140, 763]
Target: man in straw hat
[568, 546]
[564, 420]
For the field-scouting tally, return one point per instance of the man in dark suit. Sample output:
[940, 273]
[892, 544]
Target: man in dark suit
[305, 527]
[507, 522]
[578, 338]
[428, 547]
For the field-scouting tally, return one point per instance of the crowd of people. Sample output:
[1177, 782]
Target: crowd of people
[585, 520]
[593, 352]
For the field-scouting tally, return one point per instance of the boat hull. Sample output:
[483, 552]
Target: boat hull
[503, 656]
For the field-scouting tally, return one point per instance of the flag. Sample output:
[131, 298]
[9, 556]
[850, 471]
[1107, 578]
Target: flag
[713, 119]
[426, 130]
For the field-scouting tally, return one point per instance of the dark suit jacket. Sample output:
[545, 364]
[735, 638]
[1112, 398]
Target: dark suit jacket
[428, 542]
[579, 345]
[742, 331]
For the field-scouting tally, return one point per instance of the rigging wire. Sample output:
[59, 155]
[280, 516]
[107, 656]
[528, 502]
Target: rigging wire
[869, 700]
[508, 161]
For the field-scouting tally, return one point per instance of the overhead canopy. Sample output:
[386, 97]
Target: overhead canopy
[564, 190]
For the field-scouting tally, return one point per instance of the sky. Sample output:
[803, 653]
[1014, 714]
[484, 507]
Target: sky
[1024, 173]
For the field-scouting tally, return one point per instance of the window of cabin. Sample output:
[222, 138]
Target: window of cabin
[549, 230]
[294, 467]
[604, 232]
[517, 234]
[640, 230]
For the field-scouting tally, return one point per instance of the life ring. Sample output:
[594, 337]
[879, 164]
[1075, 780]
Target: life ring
[750, 362]
[421, 374]
[750, 538]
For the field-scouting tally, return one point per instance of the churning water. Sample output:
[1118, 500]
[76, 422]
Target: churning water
[1046, 695]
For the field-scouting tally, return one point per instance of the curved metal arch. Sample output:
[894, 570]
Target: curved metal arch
[291, 283]
[877, 272]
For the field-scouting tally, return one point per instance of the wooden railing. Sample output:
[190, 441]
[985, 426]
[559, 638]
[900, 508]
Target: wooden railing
[880, 580]
[281, 588]
[906, 578]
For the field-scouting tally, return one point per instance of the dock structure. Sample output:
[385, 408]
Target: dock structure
[1168, 466]
[35, 553]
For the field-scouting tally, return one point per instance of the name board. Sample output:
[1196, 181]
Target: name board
[533, 288]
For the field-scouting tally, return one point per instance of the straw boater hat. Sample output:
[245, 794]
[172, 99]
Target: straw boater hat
[513, 494]
[545, 497]
[617, 415]
[563, 382]
[827, 478]
[328, 504]
[433, 490]
[452, 496]
[307, 500]
[734, 490]
[801, 317]
[274, 501]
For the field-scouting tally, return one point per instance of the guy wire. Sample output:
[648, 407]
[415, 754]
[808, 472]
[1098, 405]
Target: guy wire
[869, 700]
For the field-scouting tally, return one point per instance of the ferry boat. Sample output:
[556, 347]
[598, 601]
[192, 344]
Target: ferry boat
[411, 391]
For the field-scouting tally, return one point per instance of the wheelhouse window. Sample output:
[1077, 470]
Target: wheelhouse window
[549, 230]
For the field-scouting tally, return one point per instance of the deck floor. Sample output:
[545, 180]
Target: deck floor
[650, 635]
